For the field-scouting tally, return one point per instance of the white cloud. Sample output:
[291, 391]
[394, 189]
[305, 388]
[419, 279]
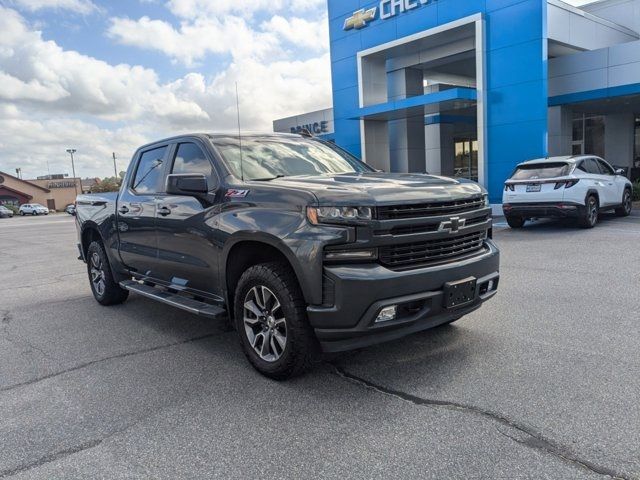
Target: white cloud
[193, 40]
[39, 71]
[83, 7]
[52, 99]
[206, 8]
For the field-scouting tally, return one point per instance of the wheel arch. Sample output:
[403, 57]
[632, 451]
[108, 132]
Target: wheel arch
[595, 193]
[246, 250]
[90, 233]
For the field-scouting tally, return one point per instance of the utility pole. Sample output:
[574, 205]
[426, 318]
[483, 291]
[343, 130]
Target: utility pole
[71, 151]
[115, 168]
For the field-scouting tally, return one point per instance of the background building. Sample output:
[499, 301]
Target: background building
[470, 88]
[55, 193]
[318, 123]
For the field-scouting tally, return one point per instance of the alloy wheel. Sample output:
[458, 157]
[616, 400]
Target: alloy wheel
[593, 211]
[627, 202]
[97, 274]
[264, 323]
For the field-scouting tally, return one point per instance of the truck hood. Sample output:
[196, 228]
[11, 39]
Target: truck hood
[381, 188]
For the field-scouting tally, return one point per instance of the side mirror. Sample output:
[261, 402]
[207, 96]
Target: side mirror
[187, 184]
[621, 171]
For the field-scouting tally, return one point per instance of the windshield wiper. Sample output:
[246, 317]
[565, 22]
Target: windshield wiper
[267, 179]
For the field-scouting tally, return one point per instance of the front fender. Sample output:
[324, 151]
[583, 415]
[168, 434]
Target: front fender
[301, 243]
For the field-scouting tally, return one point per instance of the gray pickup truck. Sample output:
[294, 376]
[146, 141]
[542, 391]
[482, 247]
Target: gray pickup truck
[302, 246]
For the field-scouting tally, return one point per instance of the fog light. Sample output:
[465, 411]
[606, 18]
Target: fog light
[490, 286]
[387, 314]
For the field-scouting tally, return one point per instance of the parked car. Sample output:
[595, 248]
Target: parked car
[577, 187]
[33, 209]
[70, 209]
[298, 242]
[5, 212]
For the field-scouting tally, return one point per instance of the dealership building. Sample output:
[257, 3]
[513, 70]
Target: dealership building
[470, 88]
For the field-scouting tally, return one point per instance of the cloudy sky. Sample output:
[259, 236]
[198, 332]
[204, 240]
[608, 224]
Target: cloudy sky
[103, 76]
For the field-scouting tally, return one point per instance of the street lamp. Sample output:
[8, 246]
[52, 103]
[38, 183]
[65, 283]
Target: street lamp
[71, 151]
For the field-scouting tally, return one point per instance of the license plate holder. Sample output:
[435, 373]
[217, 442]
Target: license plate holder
[459, 293]
[535, 187]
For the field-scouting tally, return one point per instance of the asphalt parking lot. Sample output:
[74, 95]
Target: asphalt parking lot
[542, 382]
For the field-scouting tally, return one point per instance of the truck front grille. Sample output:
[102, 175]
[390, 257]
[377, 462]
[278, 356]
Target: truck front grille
[420, 254]
[422, 210]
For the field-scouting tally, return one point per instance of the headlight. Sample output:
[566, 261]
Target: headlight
[318, 215]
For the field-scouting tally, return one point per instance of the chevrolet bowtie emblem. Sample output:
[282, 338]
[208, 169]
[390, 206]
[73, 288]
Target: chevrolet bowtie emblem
[452, 225]
[360, 18]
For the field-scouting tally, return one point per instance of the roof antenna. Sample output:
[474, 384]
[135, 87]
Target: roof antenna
[239, 134]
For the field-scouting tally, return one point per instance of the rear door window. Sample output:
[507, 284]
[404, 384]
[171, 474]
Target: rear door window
[540, 171]
[591, 166]
[149, 172]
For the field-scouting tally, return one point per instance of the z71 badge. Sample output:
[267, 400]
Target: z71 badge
[233, 193]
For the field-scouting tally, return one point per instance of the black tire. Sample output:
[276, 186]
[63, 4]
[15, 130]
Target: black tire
[109, 292]
[22, 214]
[34, 213]
[271, 323]
[624, 210]
[515, 222]
[590, 213]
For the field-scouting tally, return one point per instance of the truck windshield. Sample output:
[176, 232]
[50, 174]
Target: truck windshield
[266, 158]
[541, 170]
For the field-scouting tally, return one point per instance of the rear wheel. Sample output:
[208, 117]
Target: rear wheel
[271, 319]
[515, 222]
[624, 210]
[104, 288]
[589, 218]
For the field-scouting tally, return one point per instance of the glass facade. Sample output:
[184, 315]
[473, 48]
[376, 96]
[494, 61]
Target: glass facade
[465, 164]
[636, 150]
[588, 134]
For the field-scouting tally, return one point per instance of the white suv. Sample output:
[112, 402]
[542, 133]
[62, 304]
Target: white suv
[33, 209]
[578, 187]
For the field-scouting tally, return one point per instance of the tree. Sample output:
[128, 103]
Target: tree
[108, 184]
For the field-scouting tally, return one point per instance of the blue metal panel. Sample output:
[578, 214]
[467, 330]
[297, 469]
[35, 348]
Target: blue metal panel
[598, 94]
[516, 72]
[453, 94]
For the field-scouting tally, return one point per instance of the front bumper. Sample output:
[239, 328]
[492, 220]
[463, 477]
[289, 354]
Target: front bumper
[361, 291]
[543, 210]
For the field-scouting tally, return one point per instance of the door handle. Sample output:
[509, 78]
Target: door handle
[164, 211]
[123, 210]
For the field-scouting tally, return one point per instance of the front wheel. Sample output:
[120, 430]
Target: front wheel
[271, 319]
[624, 210]
[589, 218]
[22, 214]
[105, 289]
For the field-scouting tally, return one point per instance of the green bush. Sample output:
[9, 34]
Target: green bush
[636, 191]
[12, 208]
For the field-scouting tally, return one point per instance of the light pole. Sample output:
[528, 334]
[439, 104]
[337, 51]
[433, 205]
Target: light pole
[71, 151]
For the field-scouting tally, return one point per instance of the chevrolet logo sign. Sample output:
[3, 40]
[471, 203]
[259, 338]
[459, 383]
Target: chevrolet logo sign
[453, 225]
[360, 18]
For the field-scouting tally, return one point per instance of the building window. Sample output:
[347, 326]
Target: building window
[636, 151]
[588, 134]
[465, 164]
